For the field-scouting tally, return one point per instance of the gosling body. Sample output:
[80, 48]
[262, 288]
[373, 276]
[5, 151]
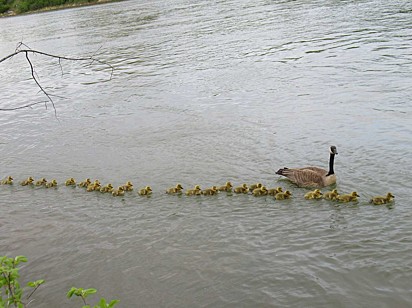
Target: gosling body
[28, 181]
[70, 182]
[283, 195]
[331, 195]
[227, 187]
[175, 190]
[7, 181]
[241, 189]
[52, 183]
[145, 191]
[352, 197]
[314, 195]
[379, 200]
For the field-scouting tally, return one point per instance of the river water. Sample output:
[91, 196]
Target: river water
[204, 92]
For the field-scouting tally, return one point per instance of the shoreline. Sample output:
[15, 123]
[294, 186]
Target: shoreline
[57, 7]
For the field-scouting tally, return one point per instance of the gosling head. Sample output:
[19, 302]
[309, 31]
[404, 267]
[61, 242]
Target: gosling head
[390, 195]
[355, 194]
[179, 186]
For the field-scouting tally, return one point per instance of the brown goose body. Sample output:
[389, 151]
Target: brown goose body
[312, 176]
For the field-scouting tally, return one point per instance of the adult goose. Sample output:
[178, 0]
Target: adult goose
[312, 176]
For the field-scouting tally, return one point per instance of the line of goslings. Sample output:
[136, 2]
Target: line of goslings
[256, 189]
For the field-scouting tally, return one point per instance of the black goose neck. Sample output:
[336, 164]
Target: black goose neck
[331, 161]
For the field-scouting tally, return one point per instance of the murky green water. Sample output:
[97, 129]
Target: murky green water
[204, 92]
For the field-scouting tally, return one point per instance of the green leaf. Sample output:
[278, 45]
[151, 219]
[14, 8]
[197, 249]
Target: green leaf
[35, 284]
[19, 259]
[113, 303]
[71, 292]
[89, 291]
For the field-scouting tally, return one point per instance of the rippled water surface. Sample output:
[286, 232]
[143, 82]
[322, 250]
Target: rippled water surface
[205, 92]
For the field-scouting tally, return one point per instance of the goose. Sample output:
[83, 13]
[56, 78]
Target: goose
[316, 194]
[241, 189]
[378, 200]
[312, 176]
[227, 187]
[274, 191]
[145, 191]
[283, 195]
[349, 197]
[28, 181]
[331, 195]
[7, 181]
[175, 190]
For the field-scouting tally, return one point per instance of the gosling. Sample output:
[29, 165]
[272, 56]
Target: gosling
[260, 191]
[254, 186]
[85, 183]
[128, 186]
[28, 181]
[210, 191]
[241, 189]
[7, 181]
[194, 192]
[274, 191]
[107, 188]
[145, 191]
[316, 194]
[70, 182]
[378, 200]
[349, 197]
[41, 182]
[118, 192]
[94, 186]
[331, 195]
[175, 190]
[227, 187]
[52, 183]
[283, 195]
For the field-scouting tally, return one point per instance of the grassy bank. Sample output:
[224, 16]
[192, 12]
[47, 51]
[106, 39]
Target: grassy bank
[17, 7]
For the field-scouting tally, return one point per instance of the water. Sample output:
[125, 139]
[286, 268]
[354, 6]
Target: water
[203, 93]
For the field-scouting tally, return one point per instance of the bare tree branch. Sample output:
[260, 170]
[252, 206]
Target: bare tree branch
[24, 49]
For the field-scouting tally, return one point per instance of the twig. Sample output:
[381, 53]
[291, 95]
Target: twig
[27, 50]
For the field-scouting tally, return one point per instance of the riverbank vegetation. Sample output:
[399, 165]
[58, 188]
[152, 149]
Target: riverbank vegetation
[12, 294]
[15, 7]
